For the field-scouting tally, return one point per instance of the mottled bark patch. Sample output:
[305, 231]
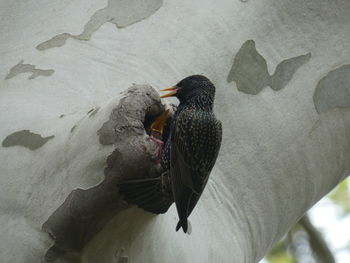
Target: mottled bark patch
[92, 113]
[122, 13]
[21, 68]
[249, 70]
[333, 90]
[130, 115]
[73, 128]
[26, 139]
[120, 256]
[85, 211]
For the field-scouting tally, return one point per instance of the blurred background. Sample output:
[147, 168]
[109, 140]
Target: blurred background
[322, 235]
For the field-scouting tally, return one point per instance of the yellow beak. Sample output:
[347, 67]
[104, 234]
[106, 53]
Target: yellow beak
[159, 123]
[172, 92]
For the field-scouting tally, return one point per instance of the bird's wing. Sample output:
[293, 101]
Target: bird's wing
[194, 147]
[216, 140]
[151, 194]
[183, 162]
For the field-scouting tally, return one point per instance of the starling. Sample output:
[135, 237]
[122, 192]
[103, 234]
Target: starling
[189, 154]
[193, 145]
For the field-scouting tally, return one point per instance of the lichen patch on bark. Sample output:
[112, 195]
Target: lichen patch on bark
[21, 68]
[119, 12]
[27, 139]
[333, 90]
[249, 70]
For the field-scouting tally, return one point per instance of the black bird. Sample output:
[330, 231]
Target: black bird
[195, 138]
[189, 154]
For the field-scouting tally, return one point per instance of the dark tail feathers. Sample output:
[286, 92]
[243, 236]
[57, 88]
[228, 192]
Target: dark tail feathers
[182, 223]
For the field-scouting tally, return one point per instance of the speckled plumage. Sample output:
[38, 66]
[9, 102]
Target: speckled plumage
[195, 138]
[188, 157]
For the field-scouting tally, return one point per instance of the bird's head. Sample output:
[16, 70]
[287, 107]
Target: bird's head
[190, 87]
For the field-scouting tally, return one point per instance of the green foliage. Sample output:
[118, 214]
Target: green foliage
[279, 254]
[341, 195]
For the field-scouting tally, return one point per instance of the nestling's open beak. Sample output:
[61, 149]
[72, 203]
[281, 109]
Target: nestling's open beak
[172, 92]
[158, 125]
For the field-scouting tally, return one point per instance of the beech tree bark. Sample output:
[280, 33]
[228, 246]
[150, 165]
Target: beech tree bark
[281, 69]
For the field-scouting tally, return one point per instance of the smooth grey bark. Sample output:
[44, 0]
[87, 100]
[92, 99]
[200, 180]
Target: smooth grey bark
[282, 151]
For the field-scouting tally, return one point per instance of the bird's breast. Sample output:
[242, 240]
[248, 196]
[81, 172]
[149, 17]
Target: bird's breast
[201, 137]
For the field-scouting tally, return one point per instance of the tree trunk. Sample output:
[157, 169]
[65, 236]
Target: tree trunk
[282, 94]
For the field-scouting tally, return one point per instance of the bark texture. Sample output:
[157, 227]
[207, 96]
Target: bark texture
[284, 146]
